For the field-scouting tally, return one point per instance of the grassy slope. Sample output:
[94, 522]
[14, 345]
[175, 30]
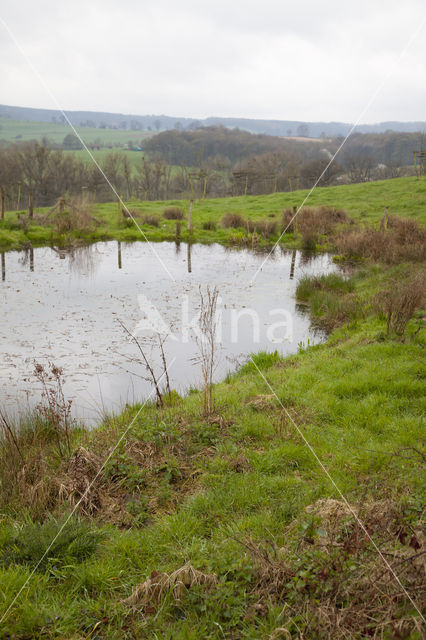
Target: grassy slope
[404, 196]
[29, 130]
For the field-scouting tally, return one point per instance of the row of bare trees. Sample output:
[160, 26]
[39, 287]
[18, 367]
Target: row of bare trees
[33, 172]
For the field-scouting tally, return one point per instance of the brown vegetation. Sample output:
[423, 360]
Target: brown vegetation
[344, 587]
[402, 240]
[173, 213]
[400, 302]
[232, 220]
[314, 219]
[150, 593]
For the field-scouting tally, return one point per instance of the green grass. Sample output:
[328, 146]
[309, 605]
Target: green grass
[364, 202]
[22, 130]
[208, 491]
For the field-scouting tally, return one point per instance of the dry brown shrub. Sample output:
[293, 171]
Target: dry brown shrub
[232, 220]
[312, 220]
[403, 240]
[173, 213]
[377, 516]
[399, 303]
[152, 220]
[150, 592]
[78, 482]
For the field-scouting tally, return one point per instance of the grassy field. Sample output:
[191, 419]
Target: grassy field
[21, 130]
[294, 510]
[231, 515]
[135, 157]
[363, 202]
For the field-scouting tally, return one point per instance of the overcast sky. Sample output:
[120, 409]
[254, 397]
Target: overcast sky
[280, 59]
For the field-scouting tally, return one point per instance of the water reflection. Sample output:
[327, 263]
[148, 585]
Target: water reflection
[3, 267]
[293, 263]
[27, 257]
[120, 263]
[189, 257]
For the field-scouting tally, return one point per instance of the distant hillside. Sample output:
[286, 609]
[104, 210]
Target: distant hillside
[104, 120]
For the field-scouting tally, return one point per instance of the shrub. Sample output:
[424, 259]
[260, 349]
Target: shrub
[403, 240]
[173, 213]
[152, 220]
[314, 220]
[232, 220]
[399, 303]
[210, 225]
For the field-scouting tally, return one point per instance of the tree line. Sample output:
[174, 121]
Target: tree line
[210, 162]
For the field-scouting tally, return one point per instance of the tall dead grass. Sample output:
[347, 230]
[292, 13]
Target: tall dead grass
[319, 220]
[75, 215]
[404, 240]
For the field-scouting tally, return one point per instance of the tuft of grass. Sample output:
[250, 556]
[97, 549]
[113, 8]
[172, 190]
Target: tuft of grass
[173, 213]
[72, 541]
[232, 220]
[153, 221]
[209, 225]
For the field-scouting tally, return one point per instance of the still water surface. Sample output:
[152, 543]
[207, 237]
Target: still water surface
[66, 308]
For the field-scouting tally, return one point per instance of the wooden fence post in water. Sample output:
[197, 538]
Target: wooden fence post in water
[293, 262]
[3, 267]
[191, 202]
[189, 257]
[31, 205]
[120, 264]
[2, 202]
[295, 219]
[31, 258]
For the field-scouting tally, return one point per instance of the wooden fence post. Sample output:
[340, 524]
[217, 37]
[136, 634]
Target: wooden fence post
[295, 219]
[120, 263]
[31, 205]
[2, 202]
[189, 257]
[191, 202]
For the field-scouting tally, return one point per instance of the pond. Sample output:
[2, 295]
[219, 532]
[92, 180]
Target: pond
[72, 308]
